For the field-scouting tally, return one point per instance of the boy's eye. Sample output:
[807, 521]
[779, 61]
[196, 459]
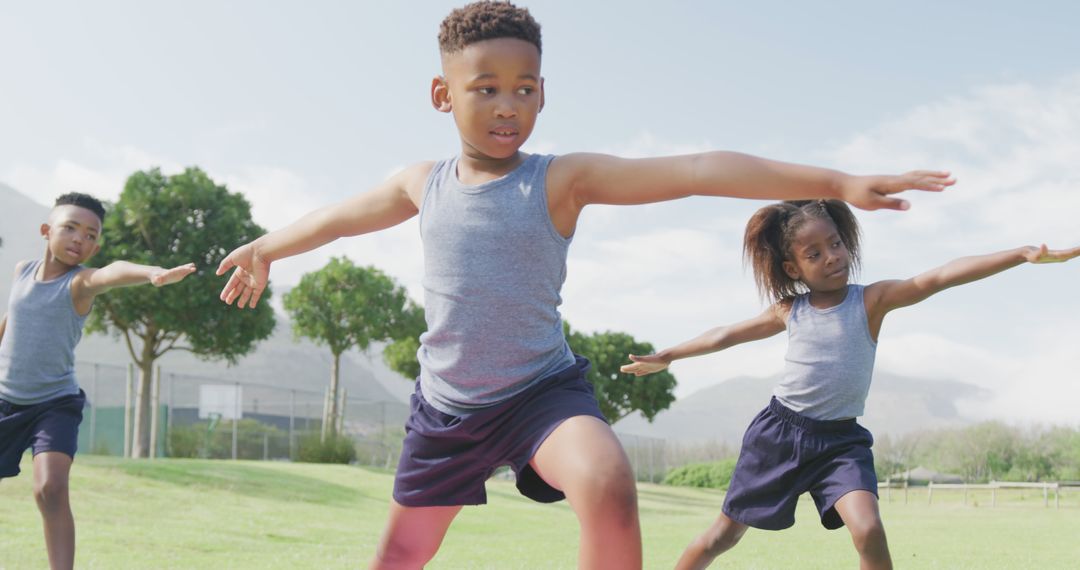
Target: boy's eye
[525, 90]
[486, 90]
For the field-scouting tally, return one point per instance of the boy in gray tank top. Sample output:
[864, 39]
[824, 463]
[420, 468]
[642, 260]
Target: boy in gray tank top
[807, 439]
[40, 401]
[495, 224]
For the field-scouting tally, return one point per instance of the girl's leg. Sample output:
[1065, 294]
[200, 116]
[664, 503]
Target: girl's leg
[583, 459]
[718, 539]
[412, 536]
[859, 511]
[51, 470]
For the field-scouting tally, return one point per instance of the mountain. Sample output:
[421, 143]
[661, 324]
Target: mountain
[721, 412]
[20, 221]
[277, 361]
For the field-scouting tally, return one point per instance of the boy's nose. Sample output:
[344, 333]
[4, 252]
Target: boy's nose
[505, 110]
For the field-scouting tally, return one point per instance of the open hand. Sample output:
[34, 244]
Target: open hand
[872, 192]
[248, 280]
[170, 276]
[643, 365]
[1046, 255]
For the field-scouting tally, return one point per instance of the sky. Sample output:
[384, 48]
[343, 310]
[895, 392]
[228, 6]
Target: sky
[301, 105]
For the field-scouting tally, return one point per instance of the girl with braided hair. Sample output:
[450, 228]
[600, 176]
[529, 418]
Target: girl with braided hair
[803, 254]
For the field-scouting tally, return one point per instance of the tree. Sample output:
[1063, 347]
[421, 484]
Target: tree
[168, 221]
[342, 306]
[621, 394]
[400, 355]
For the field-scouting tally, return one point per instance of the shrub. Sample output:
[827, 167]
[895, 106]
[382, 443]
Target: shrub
[336, 449]
[714, 475]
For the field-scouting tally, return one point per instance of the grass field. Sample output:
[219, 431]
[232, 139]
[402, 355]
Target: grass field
[223, 514]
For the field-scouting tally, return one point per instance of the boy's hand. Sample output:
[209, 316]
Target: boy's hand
[872, 192]
[169, 276]
[1045, 255]
[248, 280]
[644, 365]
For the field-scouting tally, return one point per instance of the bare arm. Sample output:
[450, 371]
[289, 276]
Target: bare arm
[602, 179]
[3, 327]
[389, 204]
[90, 283]
[767, 324]
[885, 296]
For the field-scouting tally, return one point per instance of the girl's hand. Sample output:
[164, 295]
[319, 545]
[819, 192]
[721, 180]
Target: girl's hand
[1045, 255]
[164, 277]
[644, 365]
[248, 280]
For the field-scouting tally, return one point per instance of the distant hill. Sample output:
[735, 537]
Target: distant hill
[277, 361]
[20, 220]
[721, 412]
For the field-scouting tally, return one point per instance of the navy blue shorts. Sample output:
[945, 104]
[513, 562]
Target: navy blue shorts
[446, 459]
[785, 455]
[52, 425]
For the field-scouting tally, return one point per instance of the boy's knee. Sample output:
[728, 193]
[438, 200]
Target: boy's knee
[868, 535]
[614, 491]
[51, 494]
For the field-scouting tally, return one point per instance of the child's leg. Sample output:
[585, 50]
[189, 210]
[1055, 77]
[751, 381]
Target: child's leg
[583, 459]
[51, 471]
[859, 510]
[718, 539]
[412, 536]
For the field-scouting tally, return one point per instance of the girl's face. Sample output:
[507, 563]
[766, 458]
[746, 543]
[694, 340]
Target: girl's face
[818, 257]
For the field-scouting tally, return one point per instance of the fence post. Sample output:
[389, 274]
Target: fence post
[929, 492]
[292, 422]
[127, 409]
[906, 485]
[993, 496]
[155, 394]
[965, 494]
[1046, 495]
[236, 417]
[93, 407]
[1057, 502]
[169, 412]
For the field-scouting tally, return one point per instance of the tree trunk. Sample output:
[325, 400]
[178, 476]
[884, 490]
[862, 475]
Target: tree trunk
[140, 440]
[331, 420]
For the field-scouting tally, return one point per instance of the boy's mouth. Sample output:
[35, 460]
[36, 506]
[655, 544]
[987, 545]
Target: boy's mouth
[504, 133]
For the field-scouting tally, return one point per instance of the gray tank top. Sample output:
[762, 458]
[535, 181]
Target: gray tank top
[37, 354]
[830, 358]
[494, 266]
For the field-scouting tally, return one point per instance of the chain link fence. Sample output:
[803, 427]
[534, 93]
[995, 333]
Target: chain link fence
[216, 418]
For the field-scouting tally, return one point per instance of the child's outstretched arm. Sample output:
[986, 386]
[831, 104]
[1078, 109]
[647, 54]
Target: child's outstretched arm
[389, 204]
[767, 324]
[884, 296]
[602, 179]
[92, 282]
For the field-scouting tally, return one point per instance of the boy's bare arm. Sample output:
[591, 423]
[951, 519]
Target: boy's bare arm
[603, 179]
[90, 283]
[884, 296]
[765, 325]
[3, 327]
[389, 204]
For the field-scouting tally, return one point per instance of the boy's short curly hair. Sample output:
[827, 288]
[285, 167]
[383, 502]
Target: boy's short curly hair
[487, 20]
[83, 201]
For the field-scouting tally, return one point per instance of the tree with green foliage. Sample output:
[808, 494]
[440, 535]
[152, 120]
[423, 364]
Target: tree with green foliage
[167, 221]
[342, 306]
[621, 394]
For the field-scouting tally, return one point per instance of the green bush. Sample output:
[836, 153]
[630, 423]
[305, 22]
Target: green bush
[254, 440]
[336, 449]
[715, 475]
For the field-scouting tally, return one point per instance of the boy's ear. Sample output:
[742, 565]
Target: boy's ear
[440, 95]
[542, 99]
[45, 231]
[792, 270]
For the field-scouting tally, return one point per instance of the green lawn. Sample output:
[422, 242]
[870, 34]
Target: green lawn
[223, 514]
